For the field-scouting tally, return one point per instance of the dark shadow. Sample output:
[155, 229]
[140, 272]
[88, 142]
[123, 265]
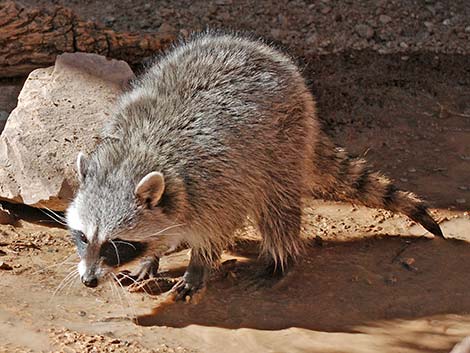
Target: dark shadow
[30, 214]
[407, 114]
[335, 287]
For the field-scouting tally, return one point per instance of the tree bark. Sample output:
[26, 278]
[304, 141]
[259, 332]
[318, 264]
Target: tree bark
[32, 38]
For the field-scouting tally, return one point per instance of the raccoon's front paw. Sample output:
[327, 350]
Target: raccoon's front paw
[187, 292]
[148, 268]
[191, 287]
[145, 278]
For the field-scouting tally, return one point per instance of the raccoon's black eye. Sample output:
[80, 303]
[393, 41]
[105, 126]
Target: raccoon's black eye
[79, 236]
[83, 238]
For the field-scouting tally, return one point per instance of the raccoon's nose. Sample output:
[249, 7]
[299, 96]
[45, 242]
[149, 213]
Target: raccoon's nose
[90, 281]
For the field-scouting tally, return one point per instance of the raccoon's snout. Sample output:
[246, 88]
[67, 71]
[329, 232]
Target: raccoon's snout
[90, 281]
[88, 276]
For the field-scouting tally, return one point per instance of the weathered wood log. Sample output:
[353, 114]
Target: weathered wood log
[31, 38]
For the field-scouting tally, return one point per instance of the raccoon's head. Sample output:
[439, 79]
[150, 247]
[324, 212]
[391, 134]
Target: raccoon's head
[114, 219]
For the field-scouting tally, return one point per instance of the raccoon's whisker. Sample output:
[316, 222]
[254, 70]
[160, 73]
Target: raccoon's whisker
[126, 295]
[128, 277]
[65, 261]
[113, 279]
[117, 252]
[53, 215]
[161, 234]
[43, 207]
[113, 288]
[165, 229]
[70, 279]
[125, 242]
[70, 268]
[53, 218]
[64, 282]
[57, 215]
[71, 284]
[45, 220]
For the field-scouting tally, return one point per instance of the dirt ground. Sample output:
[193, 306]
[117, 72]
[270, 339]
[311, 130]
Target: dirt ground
[369, 281]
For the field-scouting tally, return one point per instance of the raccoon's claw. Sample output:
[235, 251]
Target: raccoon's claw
[269, 276]
[192, 285]
[187, 291]
[148, 268]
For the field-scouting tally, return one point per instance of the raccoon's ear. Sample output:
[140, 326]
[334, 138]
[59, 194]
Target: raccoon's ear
[150, 189]
[82, 166]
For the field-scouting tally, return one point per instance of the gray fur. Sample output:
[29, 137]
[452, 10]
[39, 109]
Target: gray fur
[231, 125]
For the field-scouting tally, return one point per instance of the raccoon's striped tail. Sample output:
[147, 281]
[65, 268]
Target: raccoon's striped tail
[339, 177]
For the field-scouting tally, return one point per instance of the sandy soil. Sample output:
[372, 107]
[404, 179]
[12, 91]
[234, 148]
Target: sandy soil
[369, 281]
[380, 288]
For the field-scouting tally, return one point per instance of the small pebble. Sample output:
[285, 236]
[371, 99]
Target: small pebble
[390, 280]
[428, 25]
[461, 200]
[318, 241]
[109, 20]
[364, 31]
[385, 19]
[82, 313]
[464, 188]
[408, 263]
[412, 170]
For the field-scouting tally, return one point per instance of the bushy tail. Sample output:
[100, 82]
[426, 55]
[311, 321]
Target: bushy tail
[338, 176]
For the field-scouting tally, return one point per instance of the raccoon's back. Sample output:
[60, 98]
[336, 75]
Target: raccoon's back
[222, 112]
[217, 81]
[217, 99]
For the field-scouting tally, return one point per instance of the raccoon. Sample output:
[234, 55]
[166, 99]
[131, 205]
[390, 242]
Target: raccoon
[219, 128]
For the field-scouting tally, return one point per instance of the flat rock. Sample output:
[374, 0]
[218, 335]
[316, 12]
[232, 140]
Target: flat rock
[60, 112]
[462, 347]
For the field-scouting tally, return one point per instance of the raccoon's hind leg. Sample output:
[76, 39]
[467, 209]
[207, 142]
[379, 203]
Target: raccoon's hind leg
[279, 222]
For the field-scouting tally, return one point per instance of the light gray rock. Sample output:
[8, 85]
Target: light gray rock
[385, 19]
[364, 31]
[462, 347]
[60, 111]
